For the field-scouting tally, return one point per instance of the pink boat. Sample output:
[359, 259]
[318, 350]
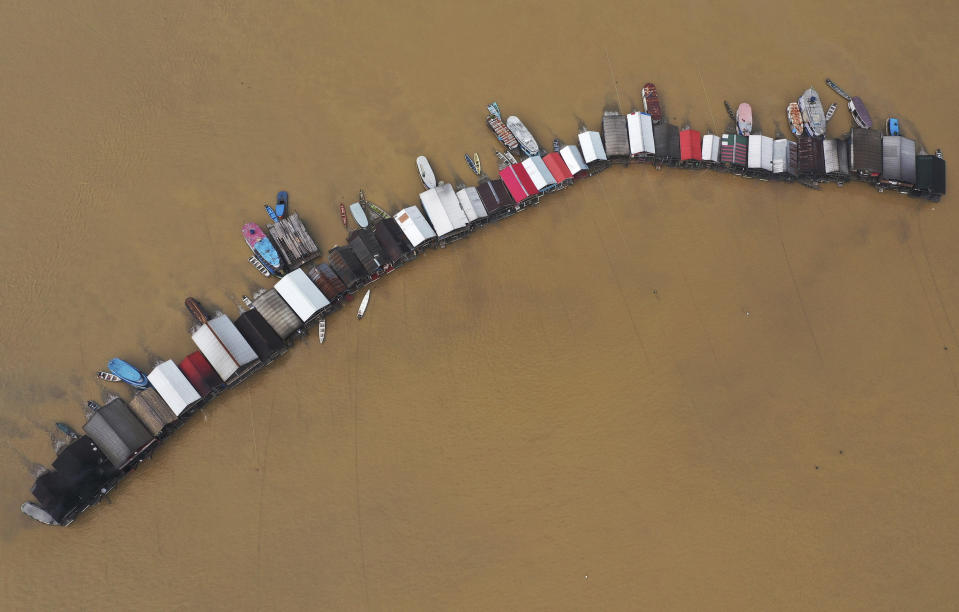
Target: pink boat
[744, 119]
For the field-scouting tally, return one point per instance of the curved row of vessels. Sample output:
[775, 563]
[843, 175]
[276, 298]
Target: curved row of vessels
[119, 435]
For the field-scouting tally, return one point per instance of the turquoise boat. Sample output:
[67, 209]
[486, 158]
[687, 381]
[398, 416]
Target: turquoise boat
[128, 374]
[260, 245]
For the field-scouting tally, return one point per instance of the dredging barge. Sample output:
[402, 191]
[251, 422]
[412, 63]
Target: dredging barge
[120, 435]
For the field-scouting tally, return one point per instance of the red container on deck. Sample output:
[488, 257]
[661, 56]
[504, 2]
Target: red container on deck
[200, 373]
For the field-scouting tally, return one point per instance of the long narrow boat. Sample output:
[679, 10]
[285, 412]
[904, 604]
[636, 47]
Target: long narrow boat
[261, 246]
[108, 377]
[322, 327]
[256, 263]
[651, 102]
[502, 132]
[811, 106]
[378, 210]
[128, 374]
[795, 118]
[831, 111]
[525, 138]
[744, 119]
[366, 302]
[426, 172]
[343, 217]
[271, 213]
[69, 431]
[196, 310]
[838, 90]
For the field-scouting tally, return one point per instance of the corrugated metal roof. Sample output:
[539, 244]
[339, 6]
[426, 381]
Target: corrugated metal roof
[760, 155]
[573, 160]
[347, 266]
[517, 180]
[152, 411]
[365, 234]
[173, 387]
[278, 313]
[666, 139]
[557, 167]
[899, 159]
[82, 453]
[471, 203]
[811, 159]
[200, 373]
[451, 204]
[865, 151]
[830, 155]
[538, 172]
[327, 280]
[389, 245]
[259, 334]
[226, 358]
[117, 432]
[495, 195]
[734, 149]
[931, 174]
[301, 294]
[690, 145]
[710, 148]
[785, 156]
[615, 134]
[362, 253]
[414, 226]
[442, 224]
[592, 147]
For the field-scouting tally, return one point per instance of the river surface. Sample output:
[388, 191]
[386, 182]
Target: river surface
[667, 390]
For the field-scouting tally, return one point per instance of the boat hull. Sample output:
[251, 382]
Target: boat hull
[366, 302]
[426, 172]
[795, 118]
[282, 204]
[812, 112]
[651, 102]
[128, 374]
[744, 119]
[502, 132]
[358, 215]
[525, 138]
[258, 242]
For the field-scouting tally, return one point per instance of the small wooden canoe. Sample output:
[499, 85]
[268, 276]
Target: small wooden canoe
[343, 217]
[108, 377]
[322, 331]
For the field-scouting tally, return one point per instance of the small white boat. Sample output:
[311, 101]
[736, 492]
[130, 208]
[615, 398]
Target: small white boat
[108, 377]
[357, 211]
[363, 305]
[322, 331]
[426, 172]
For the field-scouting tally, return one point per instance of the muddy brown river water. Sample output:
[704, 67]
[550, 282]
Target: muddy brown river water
[655, 391]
